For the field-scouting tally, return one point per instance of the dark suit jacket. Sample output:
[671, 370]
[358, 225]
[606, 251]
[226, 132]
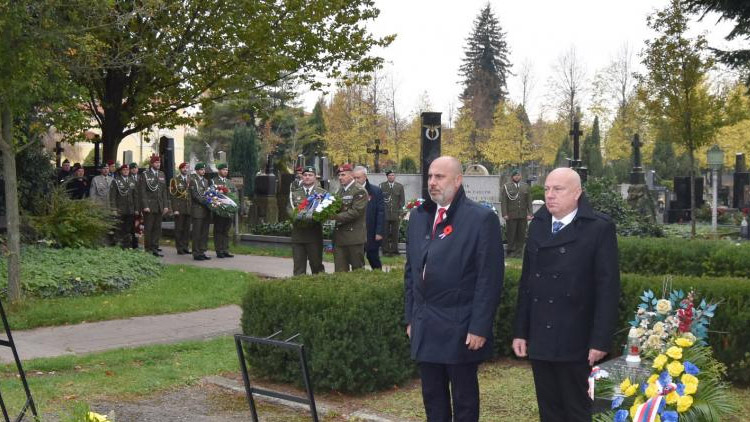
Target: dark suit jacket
[462, 283]
[375, 215]
[570, 286]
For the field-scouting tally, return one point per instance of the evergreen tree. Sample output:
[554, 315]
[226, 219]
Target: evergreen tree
[592, 151]
[485, 68]
[663, 159]
[564, 152]
[243, 157]
[313, 134]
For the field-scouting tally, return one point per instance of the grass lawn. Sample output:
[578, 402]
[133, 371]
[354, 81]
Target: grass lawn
[180, 288]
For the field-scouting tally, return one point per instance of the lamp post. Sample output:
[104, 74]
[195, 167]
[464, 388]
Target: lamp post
[715, 161]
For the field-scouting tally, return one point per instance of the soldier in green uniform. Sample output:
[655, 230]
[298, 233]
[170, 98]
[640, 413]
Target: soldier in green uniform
[122, 202]
[223, 224]
[199, 212]
[350, 233]
[154, 203]
[393, 195]
[99, 190]
[178, 190]
[307, 236]
[133, 176]
[515, 204]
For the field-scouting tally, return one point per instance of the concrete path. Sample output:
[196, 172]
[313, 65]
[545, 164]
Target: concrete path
[132, 332]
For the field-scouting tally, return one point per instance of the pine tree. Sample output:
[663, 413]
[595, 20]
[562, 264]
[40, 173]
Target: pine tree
[663, 159]
[564, 153]
[243, 157]
[314, 131]
[485, 68]
[592, 151]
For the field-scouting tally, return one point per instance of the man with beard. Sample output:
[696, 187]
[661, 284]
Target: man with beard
[307, 236]
[374, 218]
[350, 234]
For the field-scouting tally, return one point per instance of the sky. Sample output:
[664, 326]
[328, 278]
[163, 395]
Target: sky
[431, 35]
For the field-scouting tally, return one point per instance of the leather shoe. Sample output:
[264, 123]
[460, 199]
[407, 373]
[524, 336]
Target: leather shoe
[206, 257]
[220, 254]
[199, 258]
[158, 249]
[157, 254]
[228, 255]
[180, 252]
[187, 251]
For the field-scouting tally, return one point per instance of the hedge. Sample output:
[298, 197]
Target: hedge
[352, 325]
[720, 258]
[50, 272]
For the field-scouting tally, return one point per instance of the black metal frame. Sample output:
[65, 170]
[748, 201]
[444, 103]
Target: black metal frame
[29, 399]
[285, 344]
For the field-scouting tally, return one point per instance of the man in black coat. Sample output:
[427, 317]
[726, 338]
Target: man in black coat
[453, 280]
[374, 218]
[567, 297]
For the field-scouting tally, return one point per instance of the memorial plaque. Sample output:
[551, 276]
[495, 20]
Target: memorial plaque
[431, 136]
[482, 188]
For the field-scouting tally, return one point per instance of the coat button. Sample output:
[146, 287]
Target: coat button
[562, 249]
[551, 300]
[549, 325]
[538, 275]
[536, 299]
[556, 275]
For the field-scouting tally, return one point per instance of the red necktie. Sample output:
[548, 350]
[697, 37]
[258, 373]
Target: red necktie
[441, 213]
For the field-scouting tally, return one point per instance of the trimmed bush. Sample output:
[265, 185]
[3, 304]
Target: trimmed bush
[694, 257]
[48, 272]
[351, 324]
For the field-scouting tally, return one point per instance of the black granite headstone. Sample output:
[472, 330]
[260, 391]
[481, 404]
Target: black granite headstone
[431, 137]
[682, 191]
[166, 152]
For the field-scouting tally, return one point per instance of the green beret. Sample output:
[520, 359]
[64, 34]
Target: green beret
[133, 165]
[199, 166]
[310, 169]
[222, 166]
[389, 171]
[515, 172]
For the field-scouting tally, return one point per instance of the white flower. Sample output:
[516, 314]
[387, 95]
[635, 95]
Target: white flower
[659, 328]
[318, 208]
[663, 306]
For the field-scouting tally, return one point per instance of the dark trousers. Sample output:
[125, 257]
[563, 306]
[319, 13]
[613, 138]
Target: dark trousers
[221, 233]
[152, 230]
[304, 252]
[440, 382]
[515, 232]
[348, 256]
[390, 243]
[372, 250]
[133, 236]
[124, 230]
[182, 232]
[200, 235]
[562, 391]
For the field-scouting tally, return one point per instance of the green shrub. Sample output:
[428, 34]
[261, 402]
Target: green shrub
[537, 192]
[696, 257]
[48, 272]
[284, 228]
[71, 223]
[351, 324]
[604, 197]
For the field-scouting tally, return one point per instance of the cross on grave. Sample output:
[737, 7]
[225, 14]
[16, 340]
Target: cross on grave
[576, 133]
[377, 151]
[637, 144]
[58, 153]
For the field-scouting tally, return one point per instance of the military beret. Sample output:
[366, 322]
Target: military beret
[222, 166]
[345, 167]
[124, 166]
[183, 165]
[101, 166]
[309, 169]
[133, 165]
[515, 172]
[76, 166]
[389, 171]
[155, 158]
[298, 168]
[66, 161]
[110, 162]
[199, 166]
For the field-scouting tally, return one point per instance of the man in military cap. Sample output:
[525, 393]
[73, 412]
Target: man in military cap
[112, 169]
[223, 224]
[64, 172]
[180, 195]
[133, 176]
[515, 204]
[122, 201]
[77, 185]
[99, 190]
[199, 212]
[393, 195]
[154, 203]
[350, 233]
[307, 236]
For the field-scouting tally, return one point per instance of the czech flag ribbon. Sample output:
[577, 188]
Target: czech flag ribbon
[647, 411]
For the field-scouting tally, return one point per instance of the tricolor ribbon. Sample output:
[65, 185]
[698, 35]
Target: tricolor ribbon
[647, 411]
[596, 374]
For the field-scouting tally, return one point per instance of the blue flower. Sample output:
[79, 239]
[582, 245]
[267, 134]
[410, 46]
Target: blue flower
[669, 416]
[665, 378]
[617, 402]
[681, 389]
[691, 369]
[622, 416]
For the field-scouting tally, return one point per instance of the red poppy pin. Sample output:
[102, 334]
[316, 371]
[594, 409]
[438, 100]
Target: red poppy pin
[446, 231]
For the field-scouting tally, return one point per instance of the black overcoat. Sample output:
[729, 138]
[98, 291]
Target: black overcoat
[570, 286]
[452, 282]
[375, 215]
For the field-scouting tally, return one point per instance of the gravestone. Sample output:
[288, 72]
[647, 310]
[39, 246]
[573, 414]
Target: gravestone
[430, 136]
[222, 156]
[166, 151]
[639, 195]
[679, 209]
[741, 193]
[476, 170]
[127, 157]
[267, 208]
[576, 163]
[637, 177]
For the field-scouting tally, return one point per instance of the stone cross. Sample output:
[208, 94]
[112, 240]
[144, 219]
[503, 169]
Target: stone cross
[636, 151]
[377, 151]
[576, 133]
[58, 153]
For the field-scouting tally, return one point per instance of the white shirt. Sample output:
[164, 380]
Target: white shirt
[349, 185]
[565, 220]
[437, 213]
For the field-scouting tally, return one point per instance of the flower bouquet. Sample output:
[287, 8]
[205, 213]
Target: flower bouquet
[318, 207]
[220, 201]
[684, 382]
[414, 203]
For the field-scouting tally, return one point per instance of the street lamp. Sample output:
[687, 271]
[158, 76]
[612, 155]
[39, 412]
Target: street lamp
[715, 161]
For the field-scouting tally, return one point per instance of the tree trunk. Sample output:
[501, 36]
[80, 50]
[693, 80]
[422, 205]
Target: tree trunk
[692, 193]
[111, 136]
[11, 205]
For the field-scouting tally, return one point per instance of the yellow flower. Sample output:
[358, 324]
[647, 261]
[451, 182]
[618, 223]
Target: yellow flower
[95, 417]
[689, 379]
[633, 409]
[684, 403]
[684, 342]
[652, 390]
[625, 384]
[663, 306]
[652, 379]
[658, 418]
[675, 368]
[672, 397]
[659, 362]
[630, 390]
[675, 352]
[691, 388]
